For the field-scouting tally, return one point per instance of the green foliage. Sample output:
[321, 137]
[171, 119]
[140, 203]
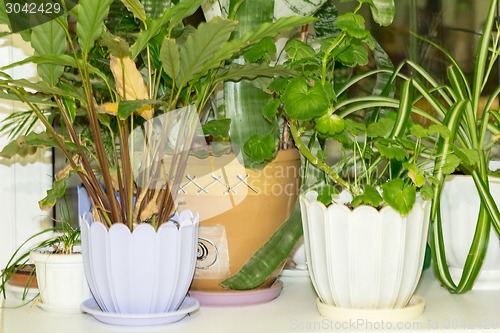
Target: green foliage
[384, 158]
[470, 132]
[58, 240]
[261, 149]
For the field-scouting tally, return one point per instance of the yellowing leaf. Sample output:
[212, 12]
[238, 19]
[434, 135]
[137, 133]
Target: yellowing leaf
[109, 108]
[129, 82]
[146, 111]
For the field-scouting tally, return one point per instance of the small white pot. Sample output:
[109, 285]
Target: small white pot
[61, 281]
[364, 258]
[459, 210]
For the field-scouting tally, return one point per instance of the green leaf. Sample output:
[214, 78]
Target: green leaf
[383, 11]
[325, 194]
[172, 15]
[468, 156]
[381, 128]
[329, 125]
[305, 102]
[126, 108]
[370, 196]
[260, 149]
[50, 38]
[298, 50]
[217, 128]
[451, 164]
[399, 196]
[440, 129]
[414, 173]
[136, 8]
[353, 55]
[392, 153]
[90, 22]
[327, 15]
[271, 109]
[170, 58]
[28, 145]
[57, 191]
[355, 128]
[201, 46]
[419, 131]
[353, 25]
[116, 45]
[427, 192]
[260, 51]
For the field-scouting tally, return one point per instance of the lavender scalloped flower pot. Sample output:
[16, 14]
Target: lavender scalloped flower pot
[140, 272]
[364, 258]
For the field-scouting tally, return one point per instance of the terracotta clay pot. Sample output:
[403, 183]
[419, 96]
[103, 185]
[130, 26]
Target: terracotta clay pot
[25, 277]
[239, 209]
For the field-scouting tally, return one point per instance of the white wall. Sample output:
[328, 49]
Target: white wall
[22, 181]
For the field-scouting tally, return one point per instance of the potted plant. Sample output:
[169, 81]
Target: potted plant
[260, 182]
[366, 216]
[263, 135]
[57, 270]
[465, 252]
[131, 164]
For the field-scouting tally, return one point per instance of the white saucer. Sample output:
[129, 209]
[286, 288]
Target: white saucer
[147, 319]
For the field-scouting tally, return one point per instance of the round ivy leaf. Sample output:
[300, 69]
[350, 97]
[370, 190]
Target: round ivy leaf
[329, 125]
[305, 102]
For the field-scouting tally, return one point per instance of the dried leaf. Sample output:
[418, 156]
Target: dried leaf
[129, 82]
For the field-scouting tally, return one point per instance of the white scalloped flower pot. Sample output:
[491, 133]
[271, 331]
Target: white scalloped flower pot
[459, 210]
[365, 263]
[61, 281]
[140, 272]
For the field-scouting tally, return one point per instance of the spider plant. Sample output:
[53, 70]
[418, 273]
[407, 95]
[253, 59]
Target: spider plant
[475, 130]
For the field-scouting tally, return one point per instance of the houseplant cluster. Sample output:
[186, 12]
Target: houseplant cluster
[138, 99]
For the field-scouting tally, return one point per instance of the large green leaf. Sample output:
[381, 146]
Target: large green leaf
[50, 38]
[170, 18]
[303, 101]
[90, 21]
[383, 12]
[201, 46]
[399, 196]
[29, 144]
[170, 58]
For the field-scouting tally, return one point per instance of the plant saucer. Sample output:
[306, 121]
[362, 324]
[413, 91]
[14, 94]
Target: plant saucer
[232, 298]
[411, 311]
[144, 319]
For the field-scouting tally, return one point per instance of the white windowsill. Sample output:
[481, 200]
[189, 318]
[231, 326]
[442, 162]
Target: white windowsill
[293, 311]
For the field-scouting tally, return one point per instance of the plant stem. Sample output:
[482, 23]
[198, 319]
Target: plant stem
[313, 159]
